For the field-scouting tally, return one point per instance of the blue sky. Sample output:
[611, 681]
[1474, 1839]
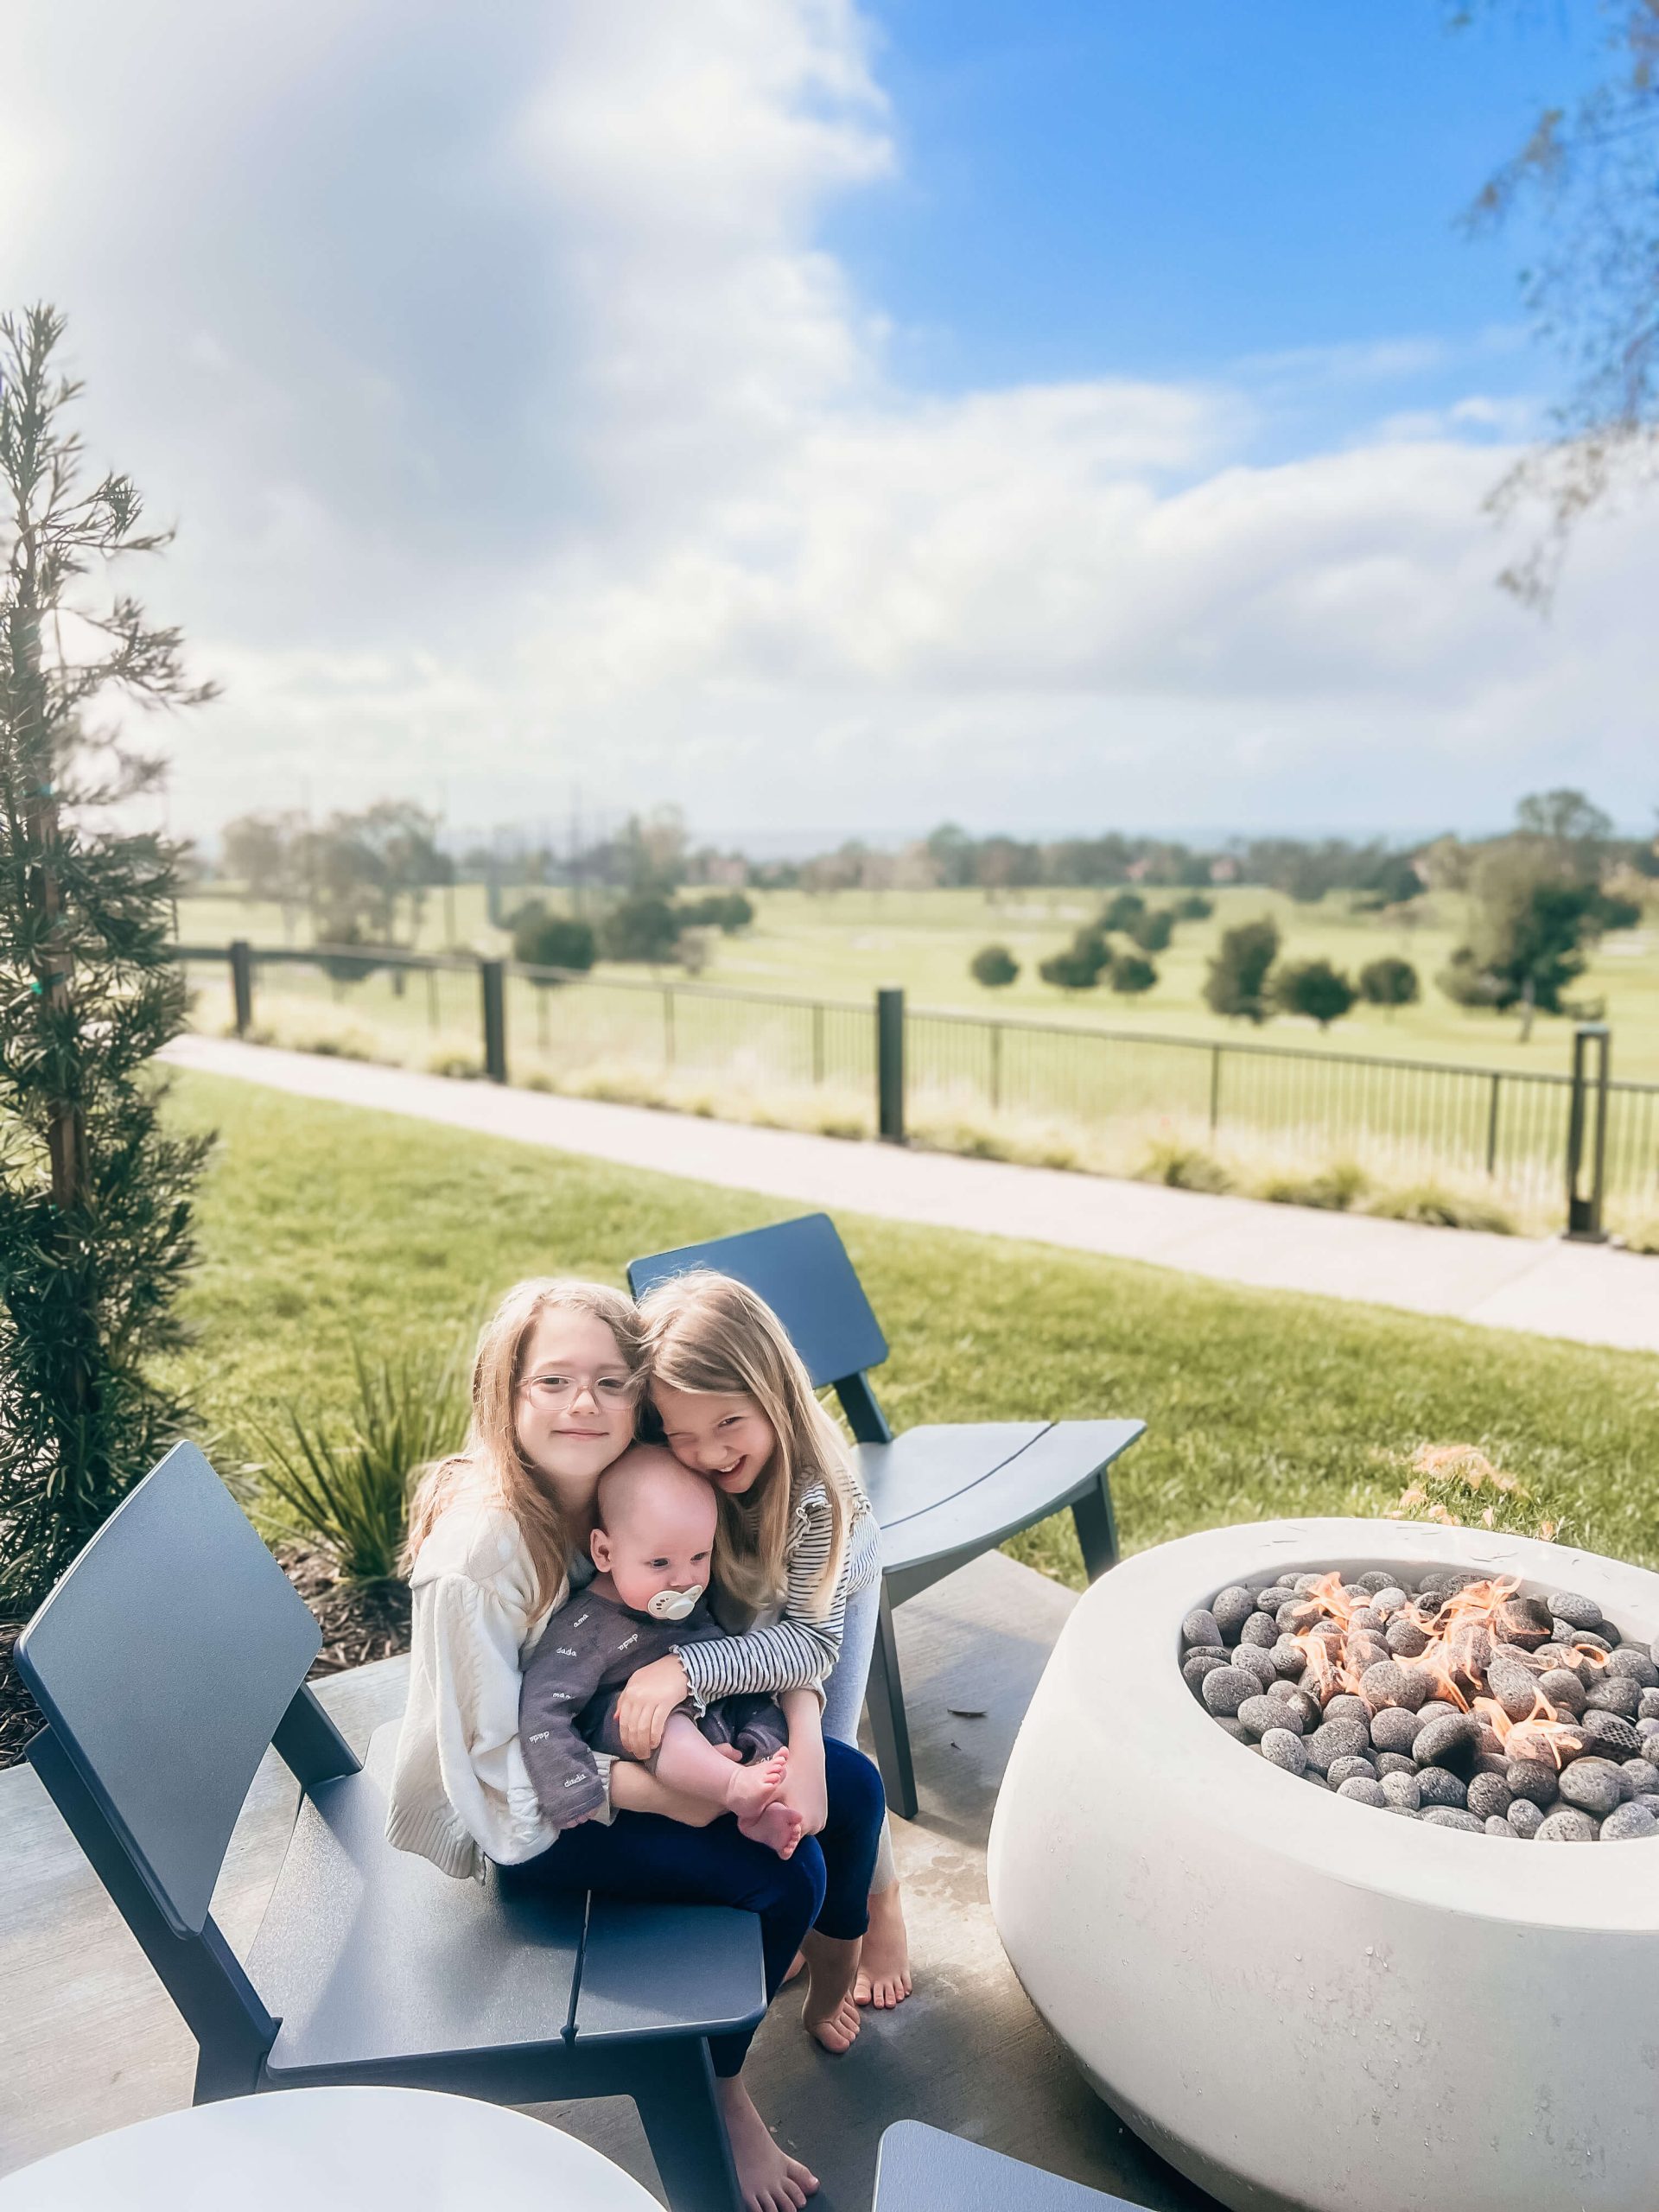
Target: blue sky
[830, 413]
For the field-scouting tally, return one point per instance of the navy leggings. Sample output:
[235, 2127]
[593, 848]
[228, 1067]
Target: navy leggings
[824, 1887]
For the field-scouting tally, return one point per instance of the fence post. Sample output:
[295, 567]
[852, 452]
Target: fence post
[890, 1065]
[492, 986]
[1214, 1088]
[1491, 1126]
[242, 984]
[997, 1067]
[817, 1043]
[1584, 1192]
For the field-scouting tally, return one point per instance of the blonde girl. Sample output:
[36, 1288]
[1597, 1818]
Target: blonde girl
[498, 1538]
[798, 1552]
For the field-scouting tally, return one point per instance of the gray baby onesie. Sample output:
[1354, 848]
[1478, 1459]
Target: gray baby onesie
[574, 1679]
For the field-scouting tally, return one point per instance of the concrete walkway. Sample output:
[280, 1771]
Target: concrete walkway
[1552, 1288]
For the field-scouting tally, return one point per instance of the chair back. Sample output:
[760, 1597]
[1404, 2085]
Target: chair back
[802, 1269]
[164, 1662]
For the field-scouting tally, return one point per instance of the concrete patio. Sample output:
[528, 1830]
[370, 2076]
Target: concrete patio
[88, 2042]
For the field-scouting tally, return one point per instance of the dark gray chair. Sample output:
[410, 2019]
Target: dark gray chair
[167, 1660]
[942, 1494]
[923, 2169]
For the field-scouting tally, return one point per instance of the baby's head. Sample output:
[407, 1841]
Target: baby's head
[656, 1532]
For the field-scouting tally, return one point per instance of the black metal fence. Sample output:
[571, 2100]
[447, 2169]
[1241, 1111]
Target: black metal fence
[1524, 1128]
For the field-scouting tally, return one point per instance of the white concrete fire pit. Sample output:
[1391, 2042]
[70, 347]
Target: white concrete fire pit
[1302, 2004]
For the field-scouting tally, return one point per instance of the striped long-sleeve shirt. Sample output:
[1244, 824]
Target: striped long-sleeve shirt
[798, 1650]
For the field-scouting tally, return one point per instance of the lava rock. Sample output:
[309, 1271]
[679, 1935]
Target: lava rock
[1560, 1686]
[1438, 1708]
[1628, 1821]
[1260, 1629]
[1568, 1827]
[1535, 1779]
[1201, 1626]
[1396, 1728]
[1230, 1608]
[1388, 1763]
[1647, 1706]
[1258, 1715]
[1334, 1739]
[1489, 1796]
[1609, 1731]
[1255, 1660]
[1443, 1738]
[1360, 1790]
[1649, 1798]
[1489, 1748]
[1495, 1826]
[1404, 1637]
[1389, 1601]
[1389, 1683]
[1449, 1817]
[1288, 1659]
[1194, 1669]
[1226, 1689]
[1350, 1769]
[1402, 1790]
[1645, 1776]
[1373, 1579]
[1235, 1728]
[1346, 1707]
[1297, 1616]
[1593, 1785]
[1369, 1621]
[1636, 1666]
[1270, 1600]
[1523, 1621]
[1437, 1786]
[1612, 1693]
[1561, 1655]
[1283, 1747]
[1514, 1689]
[1525, 1818]
[1590, 1639]
[1313, 1774]
[1577, 1613]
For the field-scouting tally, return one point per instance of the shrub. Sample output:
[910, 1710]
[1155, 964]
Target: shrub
[728, 911]
[1195, 907]
[1123, 911]
[1183, 1167]
[993, 965]
[1080, 967]
[1315, 989]
[646, 928]
[543, 940]
[1440, 1207]
[1130, 974]
[1334, 1189]
[1152, 931]
[349, 1492]
[1389, 982]
[1236, 983]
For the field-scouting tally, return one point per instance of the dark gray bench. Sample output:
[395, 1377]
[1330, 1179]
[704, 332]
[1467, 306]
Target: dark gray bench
[167, 1660]
[923, 2169]
[942, 1494]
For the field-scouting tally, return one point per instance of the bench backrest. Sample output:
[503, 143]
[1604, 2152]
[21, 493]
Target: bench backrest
[802, 1269]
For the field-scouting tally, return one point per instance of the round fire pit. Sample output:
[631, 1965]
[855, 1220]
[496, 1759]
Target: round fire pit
[1299, 2004]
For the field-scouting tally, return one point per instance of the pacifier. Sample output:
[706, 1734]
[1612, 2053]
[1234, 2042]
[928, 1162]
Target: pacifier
[675, 1604]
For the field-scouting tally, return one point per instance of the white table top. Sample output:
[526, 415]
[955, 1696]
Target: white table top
[329, 2150]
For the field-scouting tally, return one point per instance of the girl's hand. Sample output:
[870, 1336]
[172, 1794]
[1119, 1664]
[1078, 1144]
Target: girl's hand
[647, 1700]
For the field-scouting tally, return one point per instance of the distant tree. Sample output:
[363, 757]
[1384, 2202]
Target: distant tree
[1129, 974]
[543, 940]
[1576, 831]
[1533, 921]
[1237, 982]
[1389, 982]
[255, 850]
[97, 1181]
[1152, 931]
[1315, 989]
[645, 929]
[1081, 966]
[726, 910]
[1123, 911]
[953, 854]
[994, 966]
[653, 852]
[1614, 911]
[359, 867]
[1195, 907]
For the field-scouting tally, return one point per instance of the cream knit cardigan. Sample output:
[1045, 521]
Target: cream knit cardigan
[460, 1791]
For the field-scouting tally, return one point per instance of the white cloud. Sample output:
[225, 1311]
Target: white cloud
[525, 433]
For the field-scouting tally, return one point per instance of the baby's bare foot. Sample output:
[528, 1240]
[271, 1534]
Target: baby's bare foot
[778, 1827]
[837, 2028]
[751, 1789]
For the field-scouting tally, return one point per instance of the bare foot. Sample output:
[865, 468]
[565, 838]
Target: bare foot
[837, 2029]
[778, 1827]
[829, 2015]
[884, 1962]
[797, 1966]
[771, 2181]
[751, 1789]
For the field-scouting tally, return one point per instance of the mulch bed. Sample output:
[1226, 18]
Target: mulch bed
[361, 1622]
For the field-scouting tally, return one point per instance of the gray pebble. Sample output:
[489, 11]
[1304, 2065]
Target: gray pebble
[1590, 1639]
[1649, 1798]
[1389, 1683]
[1367, 1621]
[1647, 1729]
[1438, 1708]
[1390, 1600]
[1488, 1762]
[1230, 1608]
[1306, 1582]
[1449, 1817]
[1235, 1728]
[1495, 1826]
[1404, 1812]
[1194, 1669]
[1489, 1746]
[1360, 1790]
[1270, 1600]
[1628, 1821]
[1514, 1689]
[1226, 1689]
[1489, 1796]
[1609, 1731]
[1351, 1769]
[1402, 1790]
[1388, 1763]
[1373, 1579]
[1593, 1785]
[1395, 1728]
[1560, 1686]
[1647, 1704]
[1455, 1733]
[1313, 1774]
[1612, 1693]
[1297, 1616]
[1336, 1739]
[1404, 1638]
[1560, 1655]
[1525, 1818]
[1200, 1626]
[1653, 1650]
[1261, 1628]
[1255, 1660]
[1577, 1613]
[1635, 1664]
[1645, 1776]
[1533, 1778]
[1258, 1715]
[1567, 1826]
[1344, 1706]
[1436, 1786]
[1283, 1747]
[1288, 1659]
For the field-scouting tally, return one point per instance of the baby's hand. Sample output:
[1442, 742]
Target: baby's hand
[648, 1698]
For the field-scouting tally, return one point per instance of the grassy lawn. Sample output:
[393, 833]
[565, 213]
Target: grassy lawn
[319, 1221]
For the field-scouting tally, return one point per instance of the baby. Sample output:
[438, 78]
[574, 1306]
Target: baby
[652, 1549]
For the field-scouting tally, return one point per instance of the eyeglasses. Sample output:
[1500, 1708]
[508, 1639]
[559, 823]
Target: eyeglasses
[552, 1392]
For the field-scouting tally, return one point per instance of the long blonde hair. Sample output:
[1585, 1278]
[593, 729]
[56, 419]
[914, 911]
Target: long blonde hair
[714, 1337]
[491, 1463]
